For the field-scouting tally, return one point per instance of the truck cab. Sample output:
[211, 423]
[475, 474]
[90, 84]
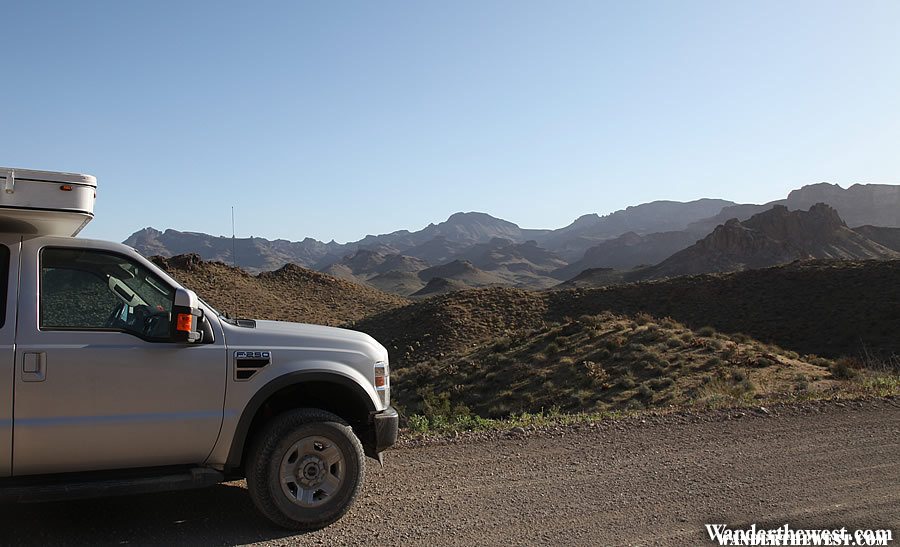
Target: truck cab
[115, 379]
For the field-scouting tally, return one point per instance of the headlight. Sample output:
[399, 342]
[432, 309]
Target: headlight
[383, 381]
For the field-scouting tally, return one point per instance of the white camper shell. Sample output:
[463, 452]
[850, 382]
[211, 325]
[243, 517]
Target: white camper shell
[45, 203]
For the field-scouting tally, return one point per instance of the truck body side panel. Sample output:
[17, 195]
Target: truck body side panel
[7, 348]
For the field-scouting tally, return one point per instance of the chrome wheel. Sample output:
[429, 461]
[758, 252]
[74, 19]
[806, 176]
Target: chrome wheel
[312, 471]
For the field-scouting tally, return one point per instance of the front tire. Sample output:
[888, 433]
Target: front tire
[305, 469]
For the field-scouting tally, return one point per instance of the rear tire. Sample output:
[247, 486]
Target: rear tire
[305, 469]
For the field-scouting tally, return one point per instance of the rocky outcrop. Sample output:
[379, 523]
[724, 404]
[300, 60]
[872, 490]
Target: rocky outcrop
[776, 236]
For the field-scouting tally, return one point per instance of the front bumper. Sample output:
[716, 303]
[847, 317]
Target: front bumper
[387, 425]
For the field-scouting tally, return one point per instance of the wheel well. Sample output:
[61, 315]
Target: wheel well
[338, 399]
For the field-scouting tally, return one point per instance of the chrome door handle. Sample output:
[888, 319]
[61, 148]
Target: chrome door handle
[34, 367]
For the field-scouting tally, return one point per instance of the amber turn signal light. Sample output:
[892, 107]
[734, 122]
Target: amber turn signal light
[184, 322]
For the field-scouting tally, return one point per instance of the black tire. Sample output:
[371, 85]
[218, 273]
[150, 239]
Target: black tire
[299, 434]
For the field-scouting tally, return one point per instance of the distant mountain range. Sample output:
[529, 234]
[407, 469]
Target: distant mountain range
[648, 241]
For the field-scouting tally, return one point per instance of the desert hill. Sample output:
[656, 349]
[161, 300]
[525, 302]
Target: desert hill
[291, 293]
[440, 285]
[463, 272]
[499, 261]
[401, 283]
[823, 307]
[604, 362]
[595, 277]
[365, 264]
[708, 339]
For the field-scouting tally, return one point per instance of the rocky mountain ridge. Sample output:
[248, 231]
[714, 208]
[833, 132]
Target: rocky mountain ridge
[499, 252]
[773, 237]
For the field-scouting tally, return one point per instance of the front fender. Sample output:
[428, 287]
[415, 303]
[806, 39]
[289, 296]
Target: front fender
[335, 373]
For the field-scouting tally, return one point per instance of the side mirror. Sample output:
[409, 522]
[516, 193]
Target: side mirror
[186, 316]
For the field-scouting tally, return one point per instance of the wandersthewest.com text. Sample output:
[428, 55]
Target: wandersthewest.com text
[785, 535]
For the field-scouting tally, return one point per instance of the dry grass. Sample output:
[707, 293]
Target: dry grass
[611, 362]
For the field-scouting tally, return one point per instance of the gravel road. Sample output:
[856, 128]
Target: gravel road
[652, 480]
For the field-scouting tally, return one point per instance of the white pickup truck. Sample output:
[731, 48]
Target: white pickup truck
[115, 379]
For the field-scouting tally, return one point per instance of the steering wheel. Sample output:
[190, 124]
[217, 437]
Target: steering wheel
[114, 319]
[152, 323]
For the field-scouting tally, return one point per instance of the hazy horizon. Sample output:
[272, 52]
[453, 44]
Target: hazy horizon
[250, 234]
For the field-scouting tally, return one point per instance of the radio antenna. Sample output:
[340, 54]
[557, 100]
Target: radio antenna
[233, 244]
[233, 261]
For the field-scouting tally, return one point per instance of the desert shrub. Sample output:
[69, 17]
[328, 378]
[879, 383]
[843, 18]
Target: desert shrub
[615, 342]
[636, 347]
[673, 342]
[625, 382]
[669, 323]
[502, 344]
[719, 391]
[716, 344]
[706, 331]
[601, 354]
[714, 362]
[738, 376]
[642, 318]
[843, 369]
[552, 348]
[439, 410]
[596, 373]
[644, 392]
[634, 404]
[591, 320]
[652, 368]
[660, 383]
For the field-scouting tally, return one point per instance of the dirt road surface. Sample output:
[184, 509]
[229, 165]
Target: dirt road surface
[653, 480]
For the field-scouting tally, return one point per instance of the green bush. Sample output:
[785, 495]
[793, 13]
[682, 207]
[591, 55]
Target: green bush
[418, 423]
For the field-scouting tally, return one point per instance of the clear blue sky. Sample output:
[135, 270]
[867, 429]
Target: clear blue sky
[338, 119]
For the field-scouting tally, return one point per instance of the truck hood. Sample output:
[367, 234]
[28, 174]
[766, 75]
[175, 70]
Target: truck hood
[302, 336]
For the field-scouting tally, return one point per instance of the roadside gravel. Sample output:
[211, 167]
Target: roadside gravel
[640, 480]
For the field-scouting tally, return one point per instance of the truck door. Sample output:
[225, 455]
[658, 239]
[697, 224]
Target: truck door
[98, 383]
[9, 279]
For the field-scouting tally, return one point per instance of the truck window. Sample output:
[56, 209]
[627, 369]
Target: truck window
[84, 289]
